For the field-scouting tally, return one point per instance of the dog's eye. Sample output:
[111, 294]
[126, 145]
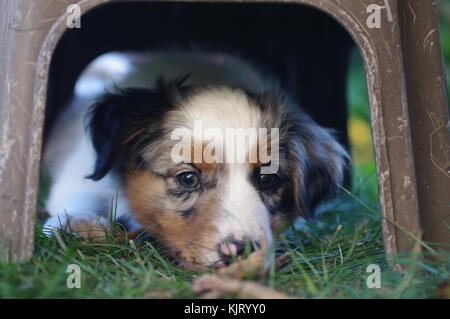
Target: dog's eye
[188, 180]
[268, 181]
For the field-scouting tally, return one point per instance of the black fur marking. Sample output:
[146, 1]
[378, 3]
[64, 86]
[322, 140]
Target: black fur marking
[187, 212]
[124, 122]
[274, 201]
[318, 181]
[180, 194]
[177, 192]
[210, 184]
[140, 163]
[271, 205]
[124, 222]
[286, 204]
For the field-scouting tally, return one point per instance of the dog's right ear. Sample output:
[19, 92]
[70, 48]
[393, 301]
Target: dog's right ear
[320, 164]
[119, 121]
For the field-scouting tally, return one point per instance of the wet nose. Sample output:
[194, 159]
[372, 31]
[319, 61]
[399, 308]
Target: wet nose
[237, 247]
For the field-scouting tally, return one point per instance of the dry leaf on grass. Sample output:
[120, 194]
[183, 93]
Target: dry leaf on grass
[443, 290]
[228, 280]
[245, 268]
[217, 286]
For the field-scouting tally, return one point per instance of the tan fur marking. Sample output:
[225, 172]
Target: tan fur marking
[185, 235]
[203, 165]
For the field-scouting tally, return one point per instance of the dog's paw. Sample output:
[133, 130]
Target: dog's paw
[86, 226]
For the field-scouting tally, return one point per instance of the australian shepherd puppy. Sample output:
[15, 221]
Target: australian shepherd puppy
[152, 131]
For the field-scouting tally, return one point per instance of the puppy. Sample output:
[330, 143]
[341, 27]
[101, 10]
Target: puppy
[119, 141]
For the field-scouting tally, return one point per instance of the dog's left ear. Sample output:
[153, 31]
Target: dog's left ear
[119, 121]
[320, 165]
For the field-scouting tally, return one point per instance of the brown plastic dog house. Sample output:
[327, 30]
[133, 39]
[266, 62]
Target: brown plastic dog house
[407, 93]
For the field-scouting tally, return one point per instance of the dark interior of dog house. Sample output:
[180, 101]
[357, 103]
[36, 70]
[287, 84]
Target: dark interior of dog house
[307, 49]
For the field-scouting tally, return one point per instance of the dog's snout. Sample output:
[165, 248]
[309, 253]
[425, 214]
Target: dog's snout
[238, 247]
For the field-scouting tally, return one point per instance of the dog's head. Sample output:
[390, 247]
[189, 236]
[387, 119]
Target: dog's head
[194, 193]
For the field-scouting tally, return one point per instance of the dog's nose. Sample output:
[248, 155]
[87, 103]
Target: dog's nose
[234, 247]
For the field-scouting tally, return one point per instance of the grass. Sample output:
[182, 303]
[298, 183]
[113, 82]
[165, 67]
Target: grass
[329, 257]
[329, 260]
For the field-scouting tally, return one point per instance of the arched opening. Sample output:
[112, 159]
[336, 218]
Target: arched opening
[312, 54]
[390, 100]
[281, 38]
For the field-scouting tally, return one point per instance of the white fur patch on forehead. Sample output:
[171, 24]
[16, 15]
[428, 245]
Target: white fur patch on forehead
[227, 122]
[217, 107]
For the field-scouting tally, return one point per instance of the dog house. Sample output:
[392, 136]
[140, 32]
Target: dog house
[398, 40]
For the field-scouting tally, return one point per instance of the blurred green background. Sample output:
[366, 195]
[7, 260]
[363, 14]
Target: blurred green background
[359, 121]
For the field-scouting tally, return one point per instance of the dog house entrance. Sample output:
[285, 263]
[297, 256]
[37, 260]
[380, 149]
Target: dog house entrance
[306, 48]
